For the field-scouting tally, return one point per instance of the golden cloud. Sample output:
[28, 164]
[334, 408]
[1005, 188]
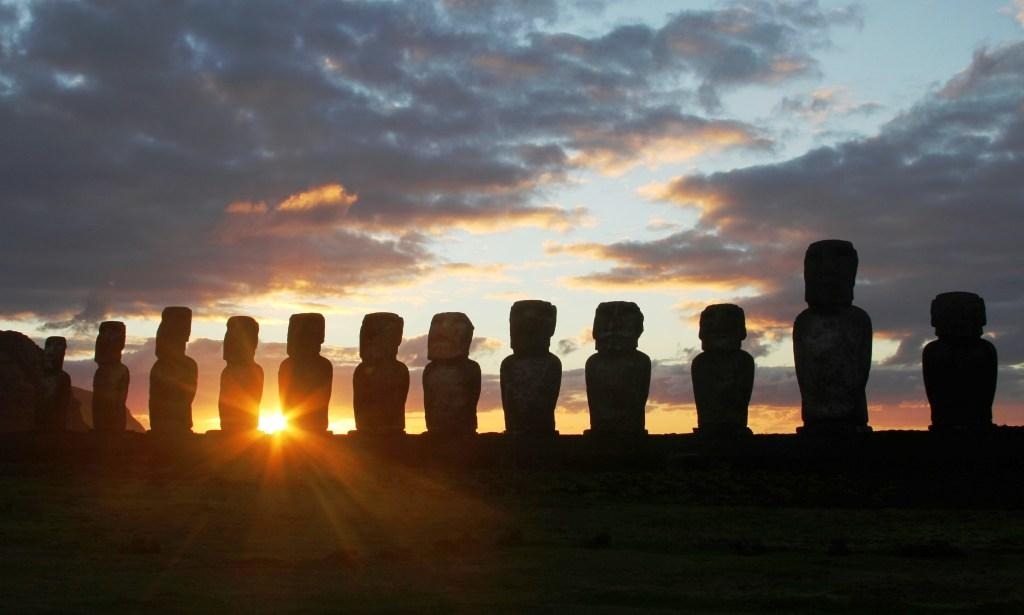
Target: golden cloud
[327, 195]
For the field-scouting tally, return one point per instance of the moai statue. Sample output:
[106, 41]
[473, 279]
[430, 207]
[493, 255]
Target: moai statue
[531, 376]
[110, 383]
[451, 380]
[173, 379]
[960, 367]
[380, 383]
[618, 375]
[305, 378]
[832, 343]
[723, 375]
[241, 382]
[52, 414]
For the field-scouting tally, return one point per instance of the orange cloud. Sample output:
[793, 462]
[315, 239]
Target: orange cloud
[323, 196]
[246, 207]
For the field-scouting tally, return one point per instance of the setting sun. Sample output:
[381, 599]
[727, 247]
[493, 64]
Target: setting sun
[273, 423]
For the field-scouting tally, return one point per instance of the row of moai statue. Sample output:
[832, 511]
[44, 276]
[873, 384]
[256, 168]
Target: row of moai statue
[831, 346]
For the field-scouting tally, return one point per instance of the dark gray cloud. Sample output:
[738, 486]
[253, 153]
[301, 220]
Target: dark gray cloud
[150, 147]
[933, 203]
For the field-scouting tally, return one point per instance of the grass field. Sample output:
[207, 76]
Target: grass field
[344, 534]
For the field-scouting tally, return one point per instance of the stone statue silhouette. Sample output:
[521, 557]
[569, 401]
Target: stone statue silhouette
[241, 381]
[451, 380]
[111, 380]
[305, 378]
[174, 377]
[618, 375]
[52, 414]
[960, 368]
[380, 384]
[723, 375]
[832, 342]
[531, 376]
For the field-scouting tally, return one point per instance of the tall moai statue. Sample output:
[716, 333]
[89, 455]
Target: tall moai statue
[618, 375]
[832, 343]
[451, 380]
[723, 374]
[241, 381]
[110, 383]
[305, 378]
[380, 384]
[960, 367]
[52, 414]
[531, 376]
[174, 377]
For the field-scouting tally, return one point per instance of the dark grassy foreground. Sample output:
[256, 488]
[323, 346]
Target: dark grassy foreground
[324, 526]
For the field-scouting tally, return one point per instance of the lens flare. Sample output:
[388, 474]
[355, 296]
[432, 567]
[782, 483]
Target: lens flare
[273, 423]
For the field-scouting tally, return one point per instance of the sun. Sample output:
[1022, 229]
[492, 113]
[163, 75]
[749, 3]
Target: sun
[273, 423]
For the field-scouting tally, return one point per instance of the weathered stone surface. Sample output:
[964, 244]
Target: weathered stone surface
[174, 377]
[451, 380]
[531, 377]
[21, 381]
[618, 375]
[723, 375]
[305, 378]
[961, 367]
[241, 381]
[380, 384]
[832, 342]
[54, 412]
[111, 380]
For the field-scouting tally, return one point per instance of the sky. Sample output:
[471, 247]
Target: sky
[269, 158]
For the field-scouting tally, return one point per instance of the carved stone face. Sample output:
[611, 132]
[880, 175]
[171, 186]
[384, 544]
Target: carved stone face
[722, 327]
[305, 334]
[240, 340]
[173, 333]
[830, 270]
[617, 326]
[380, 336]
[53, 354]
[532, 323]
[451, 334]
[110, 342]
[958, 314]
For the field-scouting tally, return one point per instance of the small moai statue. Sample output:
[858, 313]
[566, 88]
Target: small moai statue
[380, 384]
[241, 381]
[531, 376]
[174, 377]
[52, 414]
[723, 374]
[305, 378]
[832, 343]
[618, 375]
[451, 380]
[111, 380]
[960, 367]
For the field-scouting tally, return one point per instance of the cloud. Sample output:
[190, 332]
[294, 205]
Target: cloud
[932, 203]
[201, 153]
[824, 104]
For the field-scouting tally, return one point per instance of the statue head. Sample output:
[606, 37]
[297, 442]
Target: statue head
[305, 334]
[240, 339]
[830, 270]
[110, 342]
[722, 327]
[53, 354]
[173, 333]
[450, 336]
[380, 335]
[617, 326]
[958, 315]
[532, 323]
